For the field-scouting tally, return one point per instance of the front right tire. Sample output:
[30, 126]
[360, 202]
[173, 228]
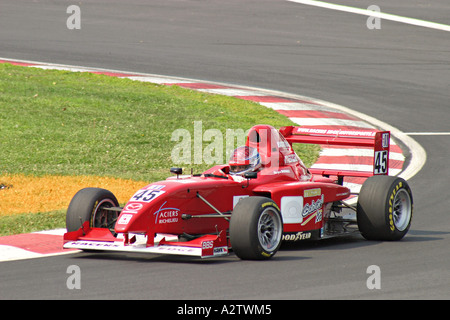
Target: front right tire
[89, 204]
[256, 228]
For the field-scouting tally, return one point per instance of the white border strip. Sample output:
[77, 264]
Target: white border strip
[352, 152]
[330, 122]
[375, 14]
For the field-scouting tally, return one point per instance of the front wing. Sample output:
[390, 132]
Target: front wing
[207, 246]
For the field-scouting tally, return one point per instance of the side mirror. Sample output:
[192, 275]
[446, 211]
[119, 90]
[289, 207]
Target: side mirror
[251, 175]
[248, 176]
[176, 171]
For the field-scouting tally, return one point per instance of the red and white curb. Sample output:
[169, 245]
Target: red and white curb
[304, 111]
[32, 245]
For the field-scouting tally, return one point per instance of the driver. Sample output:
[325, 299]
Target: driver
[244, 159]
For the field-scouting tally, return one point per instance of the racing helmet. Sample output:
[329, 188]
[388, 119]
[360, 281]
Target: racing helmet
[244, 159]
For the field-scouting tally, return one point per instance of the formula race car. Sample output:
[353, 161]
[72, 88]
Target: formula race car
[263, 196]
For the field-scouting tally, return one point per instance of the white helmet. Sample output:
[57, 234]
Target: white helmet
[244, 159]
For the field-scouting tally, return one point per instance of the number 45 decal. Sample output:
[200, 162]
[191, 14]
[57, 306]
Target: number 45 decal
[146, 195]
[380, 165]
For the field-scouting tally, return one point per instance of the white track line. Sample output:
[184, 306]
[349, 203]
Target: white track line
[375, 14]
[428, 133]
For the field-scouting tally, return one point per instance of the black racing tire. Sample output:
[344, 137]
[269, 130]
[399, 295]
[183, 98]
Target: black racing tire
[87, 205]
[385, 208]
[256, 228]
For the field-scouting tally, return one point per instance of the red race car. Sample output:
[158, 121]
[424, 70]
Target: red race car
[263, 196]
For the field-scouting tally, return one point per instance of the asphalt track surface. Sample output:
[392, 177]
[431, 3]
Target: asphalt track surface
[399, 74]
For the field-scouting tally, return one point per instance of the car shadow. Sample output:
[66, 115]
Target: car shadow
[357, 240]
[424, 235]
[154, 258]
[338, 243]
[341, 242]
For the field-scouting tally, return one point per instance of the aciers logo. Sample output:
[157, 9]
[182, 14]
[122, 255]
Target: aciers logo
[166, 215]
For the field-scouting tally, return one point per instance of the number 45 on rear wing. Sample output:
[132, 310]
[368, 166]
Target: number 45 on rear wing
[378, 140]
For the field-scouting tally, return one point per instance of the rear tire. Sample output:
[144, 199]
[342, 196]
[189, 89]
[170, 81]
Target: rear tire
[256, 228]
[385, 208]
[88, 205]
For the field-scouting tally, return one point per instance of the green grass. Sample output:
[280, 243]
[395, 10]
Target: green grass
[66, 123]
[30, 222]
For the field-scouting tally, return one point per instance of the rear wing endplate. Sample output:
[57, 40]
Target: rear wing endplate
[378, 140]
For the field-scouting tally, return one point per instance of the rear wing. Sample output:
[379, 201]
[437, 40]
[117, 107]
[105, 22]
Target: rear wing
[378, 140]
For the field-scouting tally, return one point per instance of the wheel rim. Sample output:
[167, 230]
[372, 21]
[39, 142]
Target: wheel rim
[269, 230]
[103, 218]
[402, 210]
